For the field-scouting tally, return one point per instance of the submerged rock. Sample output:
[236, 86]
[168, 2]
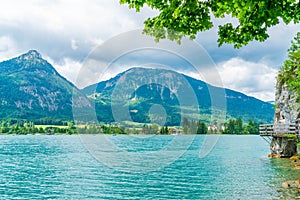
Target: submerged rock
[285, 185]
[291, 184]
[297, 166]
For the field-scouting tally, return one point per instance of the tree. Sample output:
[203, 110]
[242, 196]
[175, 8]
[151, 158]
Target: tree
[185, 125]
[201, 128]
[145, 129]
[290, 71]
[252, 127]
[230, 127]
[166, 130]
[154, 129]
[238, 126]
[178, 18]
[150, 129]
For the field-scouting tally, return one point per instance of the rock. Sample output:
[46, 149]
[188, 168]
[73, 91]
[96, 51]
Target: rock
[298, 148]
[291, 184]
[297, 166]
[285, 185]
[283, 146]
[295, 158]
[286, 112]
[286, 104]
[274, 155]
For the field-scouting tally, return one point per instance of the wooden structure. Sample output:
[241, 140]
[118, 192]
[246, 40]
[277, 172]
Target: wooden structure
[267, 131]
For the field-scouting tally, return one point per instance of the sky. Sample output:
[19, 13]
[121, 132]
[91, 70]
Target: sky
[65, 32]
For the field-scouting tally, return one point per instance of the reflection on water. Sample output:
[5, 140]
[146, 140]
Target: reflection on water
[59, 167]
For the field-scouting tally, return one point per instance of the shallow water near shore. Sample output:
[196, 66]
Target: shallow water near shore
[60, 167]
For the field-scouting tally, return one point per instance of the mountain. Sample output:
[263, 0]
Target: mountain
[30, 88]
[156, 95]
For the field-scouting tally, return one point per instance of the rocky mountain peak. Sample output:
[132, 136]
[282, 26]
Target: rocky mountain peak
[31, 88]
[32, 54]
[30, 61]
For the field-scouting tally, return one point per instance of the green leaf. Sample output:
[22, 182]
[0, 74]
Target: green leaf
[193, 16]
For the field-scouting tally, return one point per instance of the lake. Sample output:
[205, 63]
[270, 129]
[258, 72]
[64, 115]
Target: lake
[67, 167]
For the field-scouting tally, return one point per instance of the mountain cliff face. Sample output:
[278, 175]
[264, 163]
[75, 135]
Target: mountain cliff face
[287, 103]
[288, 87]
[30, 88]
[287, 107]
[141, 88]
[286, 112]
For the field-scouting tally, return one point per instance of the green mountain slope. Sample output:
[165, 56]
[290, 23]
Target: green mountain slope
[137, 93]
[30, 88]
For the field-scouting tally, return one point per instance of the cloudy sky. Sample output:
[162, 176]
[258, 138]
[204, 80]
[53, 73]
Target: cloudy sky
[67, 31]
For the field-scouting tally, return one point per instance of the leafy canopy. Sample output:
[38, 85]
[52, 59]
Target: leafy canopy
[178, 18]
[290, 71]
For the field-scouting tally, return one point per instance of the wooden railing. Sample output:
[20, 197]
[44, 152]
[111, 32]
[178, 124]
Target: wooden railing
[279, 129]
[266, 129]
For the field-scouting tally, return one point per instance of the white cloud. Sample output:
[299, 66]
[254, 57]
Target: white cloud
[66, 31]
[7, 48]
[52, 26]
[74, 44]
[254, 79]
[272, 51]
[68, 68]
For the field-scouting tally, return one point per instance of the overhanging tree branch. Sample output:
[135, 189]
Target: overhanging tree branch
[188, 17]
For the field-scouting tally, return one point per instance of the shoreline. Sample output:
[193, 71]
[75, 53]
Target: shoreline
[292, 163]
[117, 134]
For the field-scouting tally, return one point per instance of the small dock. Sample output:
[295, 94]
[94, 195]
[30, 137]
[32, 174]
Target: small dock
[267, 131]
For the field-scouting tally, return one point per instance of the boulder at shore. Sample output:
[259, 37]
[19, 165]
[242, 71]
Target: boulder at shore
[274, 155]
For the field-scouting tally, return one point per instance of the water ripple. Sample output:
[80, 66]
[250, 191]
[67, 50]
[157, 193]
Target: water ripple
[59, 167]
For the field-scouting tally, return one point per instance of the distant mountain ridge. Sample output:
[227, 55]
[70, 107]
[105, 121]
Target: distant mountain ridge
[160, 86]
[31, 88]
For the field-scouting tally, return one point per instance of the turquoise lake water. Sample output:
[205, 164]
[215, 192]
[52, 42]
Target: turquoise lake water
[61, 167]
